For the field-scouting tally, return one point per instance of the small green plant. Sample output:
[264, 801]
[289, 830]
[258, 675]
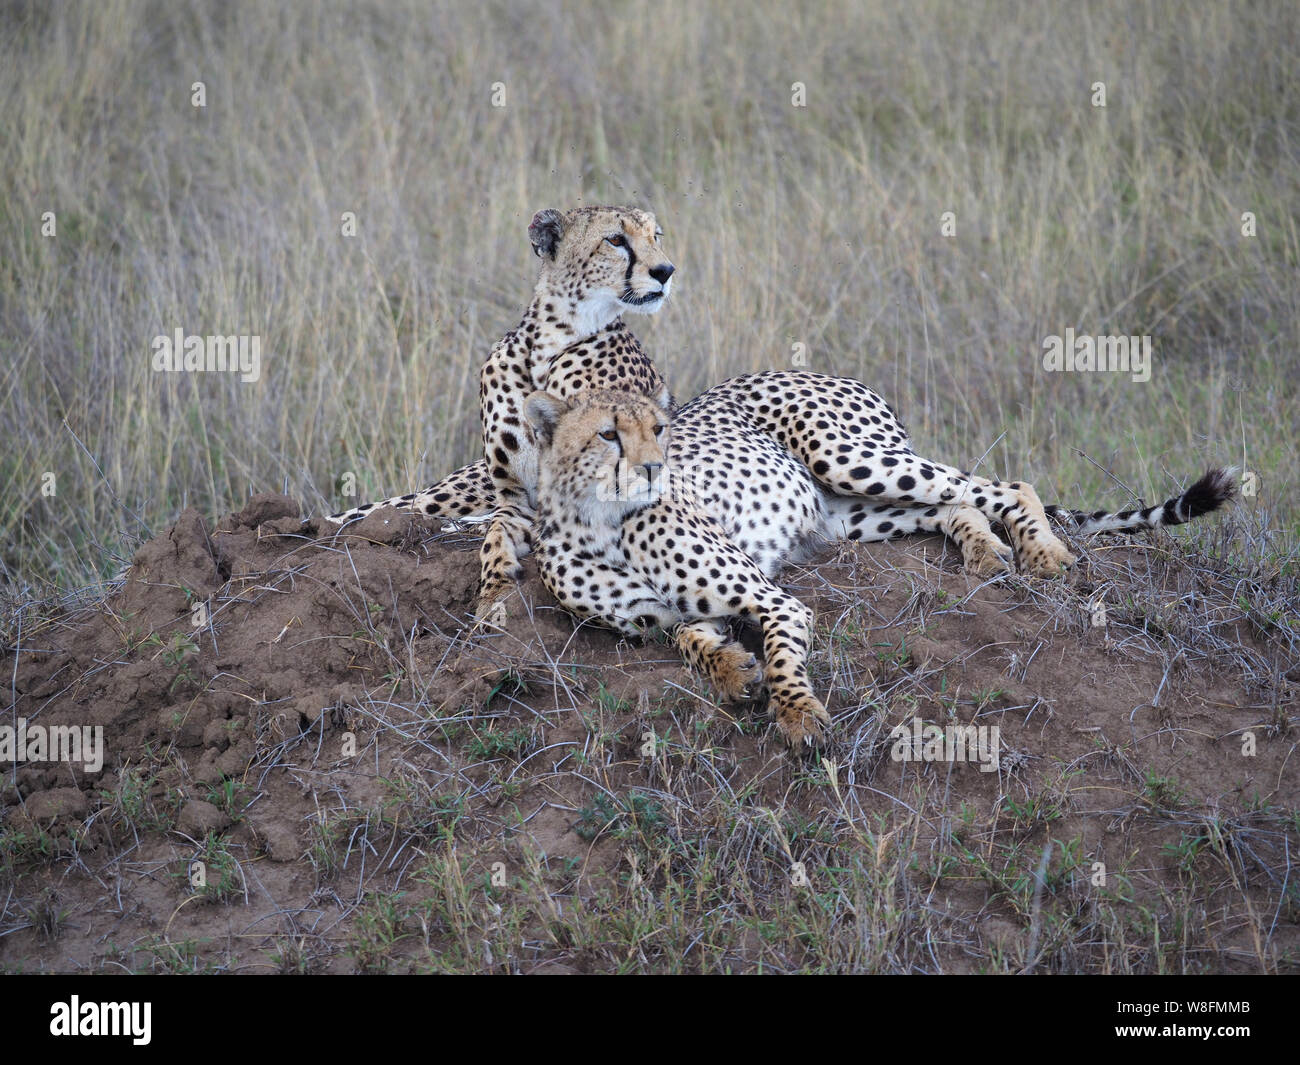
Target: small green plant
[894, 657]
[182, 956]
[46, 916]
[20, 847]
[1187, 850]
[510, 684]
[494, 743]
[228, 797]
[177, 653]
[636, 815]
[292, 957]
[1037, 809]
[602, 814]
[411, 803]
[325, 839]
[610, 703]
[139, 807]
[376, 930]
[214, 872]
[1162, 792]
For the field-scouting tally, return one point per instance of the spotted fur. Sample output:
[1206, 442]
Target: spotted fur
[775, 457]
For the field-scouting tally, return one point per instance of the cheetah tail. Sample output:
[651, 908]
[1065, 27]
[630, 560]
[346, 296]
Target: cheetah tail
[1208, 494]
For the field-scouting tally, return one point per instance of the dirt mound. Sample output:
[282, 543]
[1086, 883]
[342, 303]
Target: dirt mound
[309, 762]
[251, 624]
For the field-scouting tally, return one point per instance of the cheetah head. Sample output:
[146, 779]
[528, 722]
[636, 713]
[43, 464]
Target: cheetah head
[602, 456]
[601, 262]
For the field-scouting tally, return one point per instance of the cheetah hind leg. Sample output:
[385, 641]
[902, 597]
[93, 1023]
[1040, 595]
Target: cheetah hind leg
[851, 458]
[508, 541]
[983, 553]
[906, 478]
[1038, 550]
[730, 668]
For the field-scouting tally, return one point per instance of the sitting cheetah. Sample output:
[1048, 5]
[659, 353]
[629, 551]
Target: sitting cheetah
[596, 264]
[618, 544]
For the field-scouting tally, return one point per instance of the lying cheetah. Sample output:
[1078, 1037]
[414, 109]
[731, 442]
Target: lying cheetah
[848, 471]
[597, 263]
[633, 558]
[682, 527]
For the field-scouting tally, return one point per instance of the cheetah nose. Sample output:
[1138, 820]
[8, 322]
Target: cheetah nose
[662, 272]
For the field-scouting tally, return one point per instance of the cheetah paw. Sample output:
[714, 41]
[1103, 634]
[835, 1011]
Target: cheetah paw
[1047, 558]
[987, 557]
[802, 721]
[490, 615]
[737, 674]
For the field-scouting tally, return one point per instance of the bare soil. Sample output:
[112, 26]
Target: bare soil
[369, 785]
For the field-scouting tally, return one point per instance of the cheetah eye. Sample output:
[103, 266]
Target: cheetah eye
[618, 240]
[659, 429]
[658, 233]
[609, 434]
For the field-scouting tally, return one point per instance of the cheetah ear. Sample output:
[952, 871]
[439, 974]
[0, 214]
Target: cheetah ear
[544, 412]
[545, 231]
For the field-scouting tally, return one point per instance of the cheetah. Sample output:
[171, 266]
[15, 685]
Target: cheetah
[848, 471]
[597, 263]
[682, 525]
[867, 482]
[613, 547]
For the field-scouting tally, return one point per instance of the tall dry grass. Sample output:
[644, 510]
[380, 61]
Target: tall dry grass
[816, 225]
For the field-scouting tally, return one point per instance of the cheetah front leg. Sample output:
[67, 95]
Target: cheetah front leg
[632, 605]
[511, 456]
[508, 541]
[787, 624]
[717, 580]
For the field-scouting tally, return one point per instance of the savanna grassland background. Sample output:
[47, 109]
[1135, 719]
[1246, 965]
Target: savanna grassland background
[372, 787]
[817, 225]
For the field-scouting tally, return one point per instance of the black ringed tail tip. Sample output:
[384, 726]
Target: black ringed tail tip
[1215, 487]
